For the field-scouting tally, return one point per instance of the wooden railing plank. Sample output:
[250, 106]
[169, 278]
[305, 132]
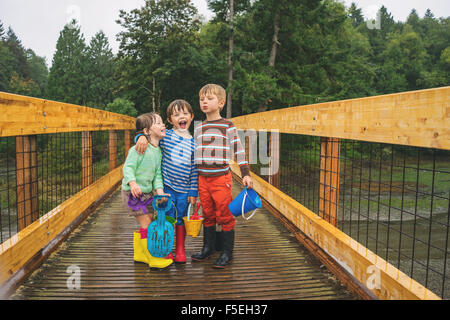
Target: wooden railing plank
[416, 118]
[30, 116]
[20, 248]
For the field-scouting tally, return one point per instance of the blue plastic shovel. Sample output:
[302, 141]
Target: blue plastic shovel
[160, 233]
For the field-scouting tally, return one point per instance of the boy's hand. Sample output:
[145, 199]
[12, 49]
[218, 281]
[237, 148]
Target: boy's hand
[192, 200]
[135, 189]
[141, 145]
[247, 182]
[160, 192]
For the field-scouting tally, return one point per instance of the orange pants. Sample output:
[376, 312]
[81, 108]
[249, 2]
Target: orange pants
[215, 195]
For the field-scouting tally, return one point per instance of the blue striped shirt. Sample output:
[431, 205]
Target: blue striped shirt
[178, 167]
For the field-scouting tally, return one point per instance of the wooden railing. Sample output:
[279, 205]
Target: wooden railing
[48, 145]
[417, 119]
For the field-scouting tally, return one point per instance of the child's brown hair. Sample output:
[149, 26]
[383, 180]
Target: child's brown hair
[145, 120]
[214, 89]
[177, 106]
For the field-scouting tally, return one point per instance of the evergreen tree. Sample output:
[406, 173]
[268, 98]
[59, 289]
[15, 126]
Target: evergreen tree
[355, 15]
[39, 71]
[67, 80]
[159, 54]
[100, 71]
[20, 64]
[2, 31]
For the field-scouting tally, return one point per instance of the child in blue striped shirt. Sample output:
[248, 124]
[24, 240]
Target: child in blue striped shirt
[178, 168]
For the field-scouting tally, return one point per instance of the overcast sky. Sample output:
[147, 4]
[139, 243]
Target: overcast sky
[37, 23]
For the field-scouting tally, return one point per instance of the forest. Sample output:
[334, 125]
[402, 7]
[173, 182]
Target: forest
[284, 53]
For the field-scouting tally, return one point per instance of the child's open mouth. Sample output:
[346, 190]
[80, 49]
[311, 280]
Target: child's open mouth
[182, 124]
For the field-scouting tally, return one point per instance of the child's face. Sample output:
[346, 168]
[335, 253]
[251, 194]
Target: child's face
[158, 129]
[181, 119]
[209, 103]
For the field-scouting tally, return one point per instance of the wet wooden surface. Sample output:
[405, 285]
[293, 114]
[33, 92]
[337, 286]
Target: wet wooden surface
[269, 263]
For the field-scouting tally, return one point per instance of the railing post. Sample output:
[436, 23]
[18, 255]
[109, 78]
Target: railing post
[247, 150]
[86, 158]
[329, 179]
[126, 142]
[274, 156]
[26, 180]
[112, 149]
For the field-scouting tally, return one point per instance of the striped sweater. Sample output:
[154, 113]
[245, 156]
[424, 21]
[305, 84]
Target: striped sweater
[178, 167]
[216, 142]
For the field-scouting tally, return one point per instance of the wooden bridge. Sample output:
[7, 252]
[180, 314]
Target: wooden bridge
[356, 205]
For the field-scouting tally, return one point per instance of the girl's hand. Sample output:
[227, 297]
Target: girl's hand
[192, 200]
[247, 182]
[141, 145]
[135, 189]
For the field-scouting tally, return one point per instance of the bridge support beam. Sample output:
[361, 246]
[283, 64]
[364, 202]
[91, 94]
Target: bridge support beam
[329, 179]
[26, 180]
[86, 158]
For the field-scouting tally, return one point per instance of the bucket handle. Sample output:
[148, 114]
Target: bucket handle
[242, 210]
[189, 212]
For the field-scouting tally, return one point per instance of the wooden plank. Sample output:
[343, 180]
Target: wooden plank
[26, 180]
[268, 263]
[127, 142]
[29, 116]
[416, 118]
[86, 158]
[17, 250]
[382, 279]
[329, 180]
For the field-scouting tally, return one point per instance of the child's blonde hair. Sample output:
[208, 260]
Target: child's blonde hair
[215, 89]
[145, 120]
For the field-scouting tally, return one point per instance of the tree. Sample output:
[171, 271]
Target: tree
[2, 31]
[67, 81]
[355, 15]
[159, 56]
[122, 106]
[20, 64]
[38, 70]
[221, 8]
[100, 71]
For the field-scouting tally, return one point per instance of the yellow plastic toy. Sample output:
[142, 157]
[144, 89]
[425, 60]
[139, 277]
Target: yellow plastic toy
[141, 253]
[193, 224]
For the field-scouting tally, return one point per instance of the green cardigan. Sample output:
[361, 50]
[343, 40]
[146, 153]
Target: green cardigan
[145, 169]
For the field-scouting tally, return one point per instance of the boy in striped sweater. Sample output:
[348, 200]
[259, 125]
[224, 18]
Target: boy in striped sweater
[178, 168]
[216, 142]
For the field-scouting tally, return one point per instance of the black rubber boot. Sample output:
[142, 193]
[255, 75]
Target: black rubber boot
[219, 240]
[227, 253]
[209, 244]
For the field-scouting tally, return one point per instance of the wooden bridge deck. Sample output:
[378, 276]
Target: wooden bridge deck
[269, 263]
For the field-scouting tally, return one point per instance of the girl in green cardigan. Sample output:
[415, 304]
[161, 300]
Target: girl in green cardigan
[141, 177]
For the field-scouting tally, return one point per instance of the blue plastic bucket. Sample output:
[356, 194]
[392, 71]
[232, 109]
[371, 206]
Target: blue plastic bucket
[245, 201]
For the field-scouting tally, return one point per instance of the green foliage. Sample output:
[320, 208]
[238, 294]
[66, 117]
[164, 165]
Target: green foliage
[286, 53]
[122, 106]
[67, 78]
[21, 70]
[100, 71]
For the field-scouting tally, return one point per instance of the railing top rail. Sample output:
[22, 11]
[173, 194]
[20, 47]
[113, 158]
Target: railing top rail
[415, 118]
[21, 115]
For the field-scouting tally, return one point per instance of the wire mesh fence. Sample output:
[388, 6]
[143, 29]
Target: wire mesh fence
[37, 173]
[393, 199]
